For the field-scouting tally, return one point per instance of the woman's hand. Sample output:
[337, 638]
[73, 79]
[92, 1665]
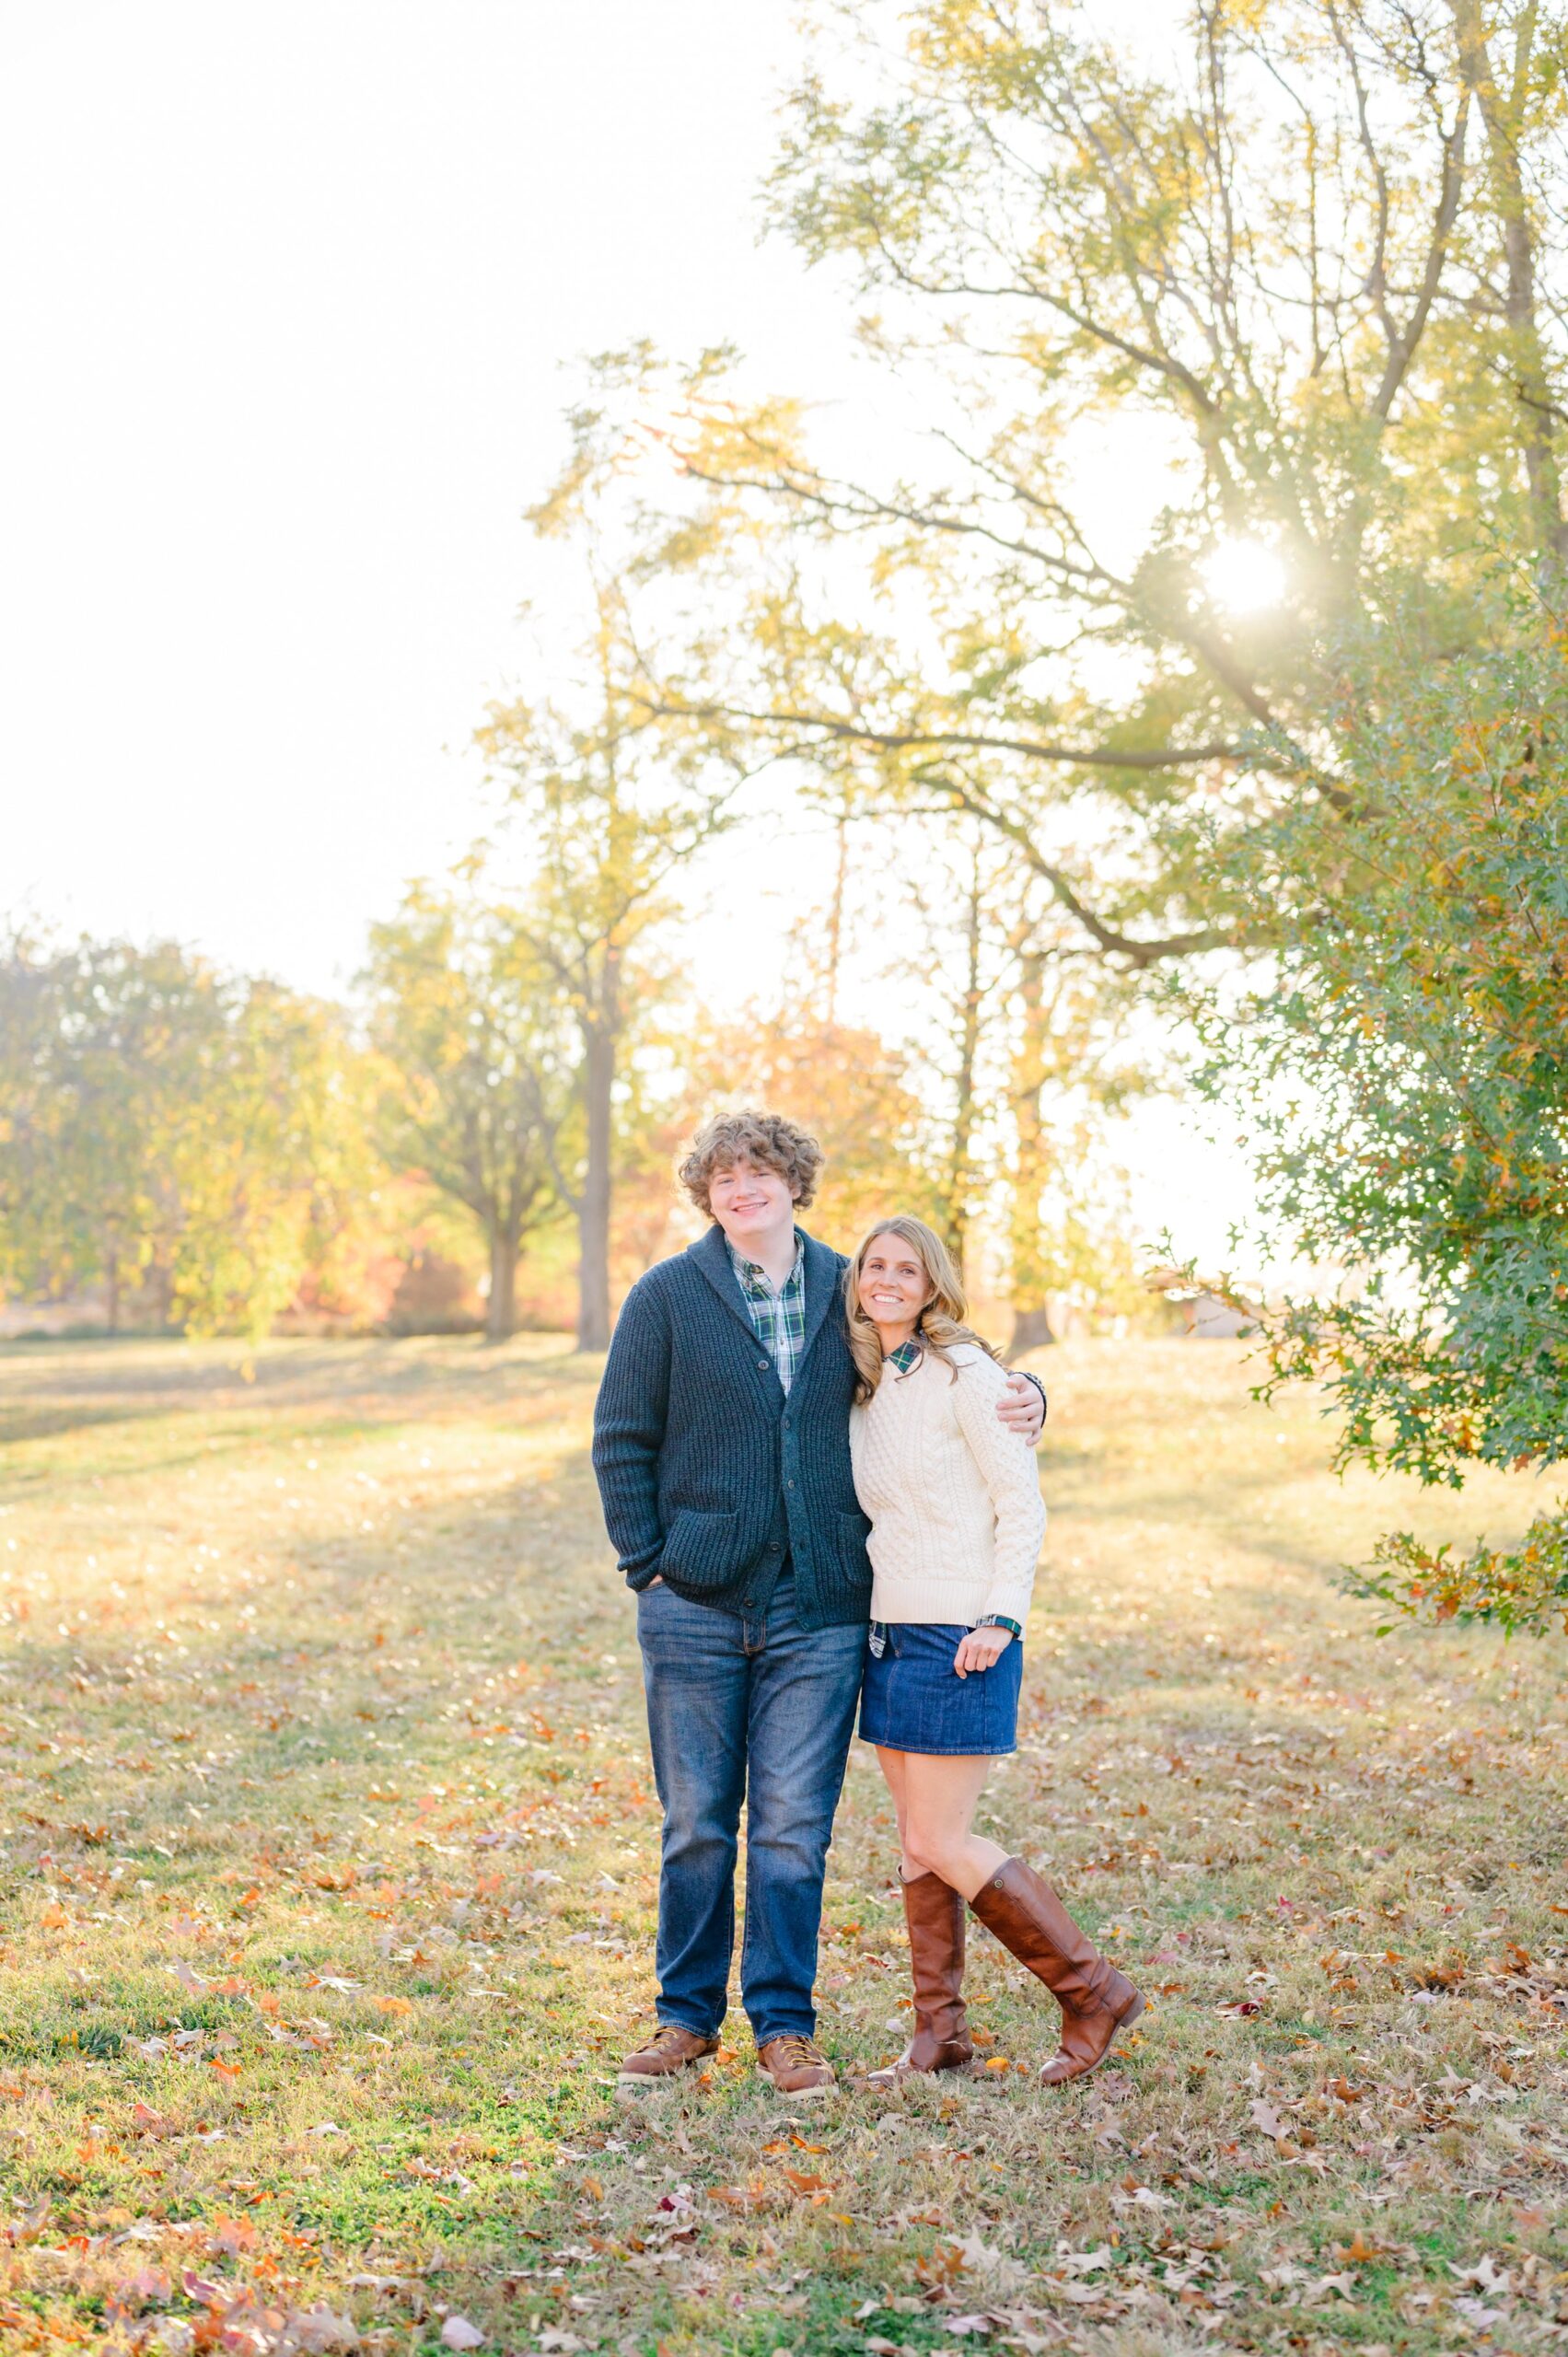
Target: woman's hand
[980, 1648]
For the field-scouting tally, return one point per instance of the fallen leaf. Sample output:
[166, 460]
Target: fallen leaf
[458, 2333]
[1084, 2262]
[1358, 2251]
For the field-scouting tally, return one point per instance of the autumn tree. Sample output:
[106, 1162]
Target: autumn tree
[1233, 357]
[1218, 350]
[1405, 1068]
[478, 1078]
[171, 1126]
[102, 1046]
[608, 812]
[272, 1159]
[856, 1092]
[1071, 1071]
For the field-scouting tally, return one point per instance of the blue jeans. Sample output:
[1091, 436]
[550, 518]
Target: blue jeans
[760, 1709]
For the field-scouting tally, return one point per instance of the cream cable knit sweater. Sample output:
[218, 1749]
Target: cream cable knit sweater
[954, 1497]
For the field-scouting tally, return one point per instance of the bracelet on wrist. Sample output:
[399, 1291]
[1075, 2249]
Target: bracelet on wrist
[1000, 1620]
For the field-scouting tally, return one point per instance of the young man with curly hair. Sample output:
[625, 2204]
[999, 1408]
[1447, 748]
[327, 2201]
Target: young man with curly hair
[721, 1443]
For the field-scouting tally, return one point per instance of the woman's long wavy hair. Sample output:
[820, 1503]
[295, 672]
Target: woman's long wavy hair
[942, 1322]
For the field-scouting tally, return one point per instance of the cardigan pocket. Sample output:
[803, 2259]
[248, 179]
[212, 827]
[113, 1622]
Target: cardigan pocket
[700, 1549]
[855, 1529]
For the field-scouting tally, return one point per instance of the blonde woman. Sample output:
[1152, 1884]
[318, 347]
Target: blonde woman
[956, 1527]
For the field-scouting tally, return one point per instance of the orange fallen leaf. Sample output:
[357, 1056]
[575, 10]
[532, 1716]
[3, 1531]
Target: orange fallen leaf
[996, 2063]
[393, 2005]
[1358, 2250]
[806, 2183]
[54, 1917]
[224, 2069]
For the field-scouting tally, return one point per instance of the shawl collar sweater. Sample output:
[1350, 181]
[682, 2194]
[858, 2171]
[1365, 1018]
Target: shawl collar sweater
[709, 1477]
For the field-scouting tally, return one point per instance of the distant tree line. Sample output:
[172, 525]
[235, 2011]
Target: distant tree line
[196, 1151]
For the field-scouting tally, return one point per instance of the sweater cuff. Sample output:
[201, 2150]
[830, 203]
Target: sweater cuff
[1012, 1603]
[639, 1569]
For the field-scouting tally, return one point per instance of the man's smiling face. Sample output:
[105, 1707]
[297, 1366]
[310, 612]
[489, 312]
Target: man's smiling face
[750, 1202]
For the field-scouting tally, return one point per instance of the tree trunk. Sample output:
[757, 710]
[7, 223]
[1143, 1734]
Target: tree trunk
[1533, 383]
[1031, 1324]
[162, 1282]
[1031, 1329]
[599, 1037]
[501, 1310]
[960, 1169]
[111, 1291]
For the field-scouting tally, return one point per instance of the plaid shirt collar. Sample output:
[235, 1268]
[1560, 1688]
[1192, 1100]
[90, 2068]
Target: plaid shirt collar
[906, 1357]
[778, 1316]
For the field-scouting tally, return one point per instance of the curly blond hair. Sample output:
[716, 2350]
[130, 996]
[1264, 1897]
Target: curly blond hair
[766, 1139]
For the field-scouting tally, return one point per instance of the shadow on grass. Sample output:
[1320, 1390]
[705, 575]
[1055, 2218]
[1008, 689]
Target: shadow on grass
[447, 1598]
[150, 1375]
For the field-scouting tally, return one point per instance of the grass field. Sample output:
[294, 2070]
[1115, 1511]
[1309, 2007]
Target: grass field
[329, 1868]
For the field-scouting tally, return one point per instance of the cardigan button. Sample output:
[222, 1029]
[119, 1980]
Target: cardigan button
[763, 1364]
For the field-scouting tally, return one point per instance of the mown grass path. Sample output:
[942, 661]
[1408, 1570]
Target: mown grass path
[327, 1872]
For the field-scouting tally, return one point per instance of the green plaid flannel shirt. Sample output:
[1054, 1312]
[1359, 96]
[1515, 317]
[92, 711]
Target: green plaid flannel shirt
[778, 1316]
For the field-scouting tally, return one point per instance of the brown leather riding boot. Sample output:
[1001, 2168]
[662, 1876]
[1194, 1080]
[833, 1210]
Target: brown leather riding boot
[1096, 2000]
[934, 1913]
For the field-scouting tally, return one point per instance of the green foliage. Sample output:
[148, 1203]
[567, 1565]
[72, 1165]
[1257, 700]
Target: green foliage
[168, 1125]
[1406, 1067]
[476, 1074]
[1290, 291]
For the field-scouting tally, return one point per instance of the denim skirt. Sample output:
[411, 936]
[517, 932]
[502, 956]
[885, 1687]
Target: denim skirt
[913, 1700]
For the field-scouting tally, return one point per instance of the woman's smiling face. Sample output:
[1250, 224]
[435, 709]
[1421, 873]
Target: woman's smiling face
[894, 1287]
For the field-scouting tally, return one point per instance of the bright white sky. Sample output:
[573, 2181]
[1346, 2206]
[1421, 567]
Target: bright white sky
[293, 294]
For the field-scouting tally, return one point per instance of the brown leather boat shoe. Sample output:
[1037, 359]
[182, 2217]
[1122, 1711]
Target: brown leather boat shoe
[797, 2066]
[669, 2049]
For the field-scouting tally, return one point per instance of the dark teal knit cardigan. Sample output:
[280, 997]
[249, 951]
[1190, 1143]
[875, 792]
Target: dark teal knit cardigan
[708, 1475]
